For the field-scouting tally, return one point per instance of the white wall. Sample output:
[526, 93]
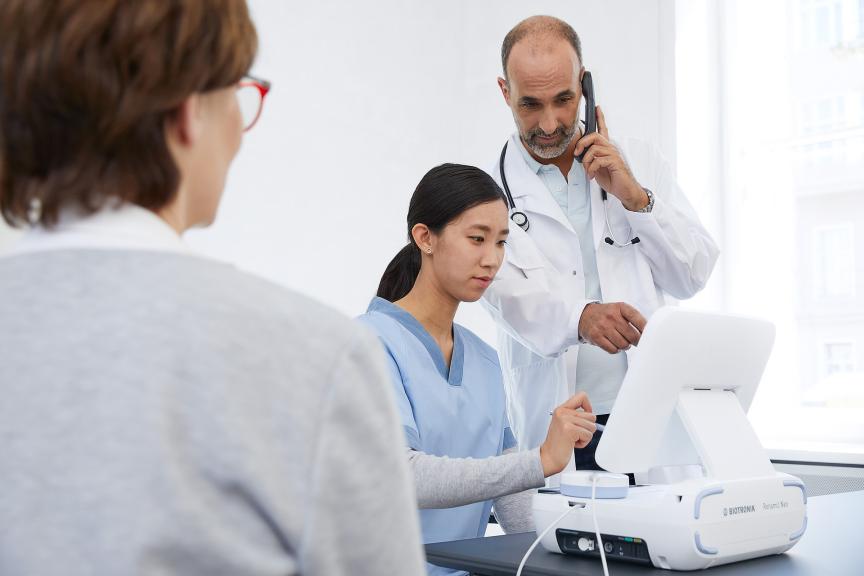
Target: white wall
[368, 96]
[7, 235]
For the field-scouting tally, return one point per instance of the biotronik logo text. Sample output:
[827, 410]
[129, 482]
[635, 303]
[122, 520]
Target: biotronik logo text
[750, 508]
[736, 510]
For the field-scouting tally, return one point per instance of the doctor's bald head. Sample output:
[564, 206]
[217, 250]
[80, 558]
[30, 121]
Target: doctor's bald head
[537, 31]
[542, 61]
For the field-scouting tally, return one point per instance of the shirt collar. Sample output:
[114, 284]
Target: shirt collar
[532, 162]
[128, 227]
[576, 170]
[454, 374]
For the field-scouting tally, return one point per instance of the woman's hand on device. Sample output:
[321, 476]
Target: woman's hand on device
[572, 426]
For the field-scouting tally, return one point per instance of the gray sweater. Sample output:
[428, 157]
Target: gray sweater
[507, 480]
[165, 414]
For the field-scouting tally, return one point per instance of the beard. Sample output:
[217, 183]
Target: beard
[563, 134]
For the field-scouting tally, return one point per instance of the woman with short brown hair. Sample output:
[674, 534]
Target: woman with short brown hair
[90, 88]
[163, 413]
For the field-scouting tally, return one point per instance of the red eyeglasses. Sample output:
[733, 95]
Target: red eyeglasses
[250, 95]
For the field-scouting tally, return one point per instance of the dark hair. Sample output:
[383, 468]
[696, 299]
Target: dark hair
[444, 193]
[86, 87]
[539, 26]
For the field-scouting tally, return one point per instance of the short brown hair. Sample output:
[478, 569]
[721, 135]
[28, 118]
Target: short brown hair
[539, 26]
[86, 87]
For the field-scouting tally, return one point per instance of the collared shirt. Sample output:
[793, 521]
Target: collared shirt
[602, 370]
[457, 411]
[128, 227]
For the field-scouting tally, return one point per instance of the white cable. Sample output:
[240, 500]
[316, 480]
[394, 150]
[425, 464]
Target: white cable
[540, 537]
[597, 526]
[561, 517]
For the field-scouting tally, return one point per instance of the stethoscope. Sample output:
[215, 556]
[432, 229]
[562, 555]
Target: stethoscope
[521, 219]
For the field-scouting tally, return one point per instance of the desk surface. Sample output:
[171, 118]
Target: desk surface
[832, 545]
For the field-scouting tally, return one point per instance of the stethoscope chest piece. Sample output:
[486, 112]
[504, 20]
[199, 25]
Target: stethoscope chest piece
[610, 239]
[520, 219]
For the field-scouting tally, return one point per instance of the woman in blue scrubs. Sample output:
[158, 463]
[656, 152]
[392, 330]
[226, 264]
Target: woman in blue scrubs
[447, 381]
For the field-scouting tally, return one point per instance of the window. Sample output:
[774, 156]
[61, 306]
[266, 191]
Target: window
[840, 387]
[821, 120]
[833, 262]
[838, 358]
[820, 23]
[829, 24]
[861, 19]
[787, 203]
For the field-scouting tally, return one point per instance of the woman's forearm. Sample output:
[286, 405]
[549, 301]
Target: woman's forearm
[443, 482]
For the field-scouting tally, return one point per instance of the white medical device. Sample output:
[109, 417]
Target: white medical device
[706, 492]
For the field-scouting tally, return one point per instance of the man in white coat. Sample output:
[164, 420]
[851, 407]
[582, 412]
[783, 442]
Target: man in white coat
[595, 247]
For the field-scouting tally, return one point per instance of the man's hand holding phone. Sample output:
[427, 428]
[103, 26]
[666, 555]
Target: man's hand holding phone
[604, 162]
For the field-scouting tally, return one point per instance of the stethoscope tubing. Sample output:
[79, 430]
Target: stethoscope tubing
[521, 219]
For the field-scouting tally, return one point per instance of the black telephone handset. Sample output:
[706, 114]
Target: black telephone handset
[590, 111]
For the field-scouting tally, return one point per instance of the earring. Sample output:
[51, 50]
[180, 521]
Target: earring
[34, 211]
[428, 250]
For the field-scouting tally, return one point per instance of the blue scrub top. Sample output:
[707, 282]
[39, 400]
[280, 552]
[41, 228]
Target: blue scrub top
[458, 412]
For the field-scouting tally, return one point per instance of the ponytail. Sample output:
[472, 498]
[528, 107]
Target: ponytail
[401, 273]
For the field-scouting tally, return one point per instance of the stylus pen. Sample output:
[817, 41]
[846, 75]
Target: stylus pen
[600, 427]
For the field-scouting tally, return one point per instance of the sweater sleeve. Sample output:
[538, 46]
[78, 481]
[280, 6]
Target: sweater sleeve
[443, 482]
[359, 426]
[514, 513]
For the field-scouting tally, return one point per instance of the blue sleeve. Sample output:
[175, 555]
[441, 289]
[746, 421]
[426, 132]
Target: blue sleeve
[509, 438]
[403, 404]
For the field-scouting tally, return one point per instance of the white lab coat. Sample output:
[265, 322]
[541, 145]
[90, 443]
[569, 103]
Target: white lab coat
[538, 295]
